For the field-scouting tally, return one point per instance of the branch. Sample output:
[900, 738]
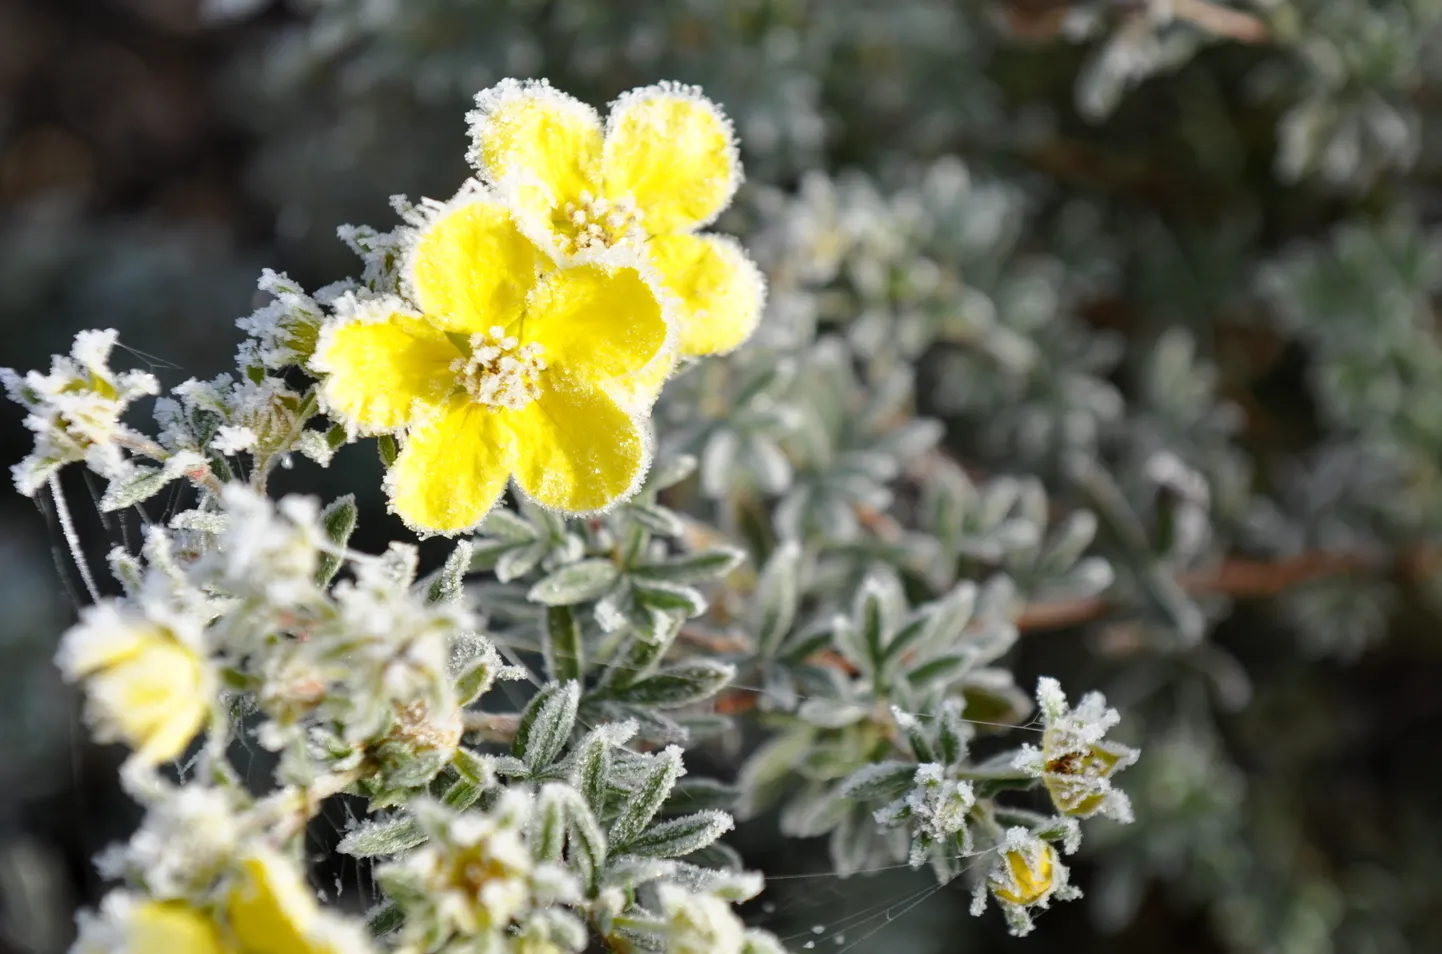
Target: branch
[1235, 577]
[1221, 21]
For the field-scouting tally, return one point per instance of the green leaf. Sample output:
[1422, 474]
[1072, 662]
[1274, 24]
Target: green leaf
[647, 799]
[547, 835]
[448, 583]
[592, 769]
[681, 836]
[528, 716]
[474, 768]
[338, 520]
[670, 598]
[386, 447]
[882, 781]
[462, 794]
[656, 518]
[588, 843]
[562, 646]
[938, 671]
[679, 685]
[700, 567]
[382, 838]
[145, 482]
[384, 918]
[576, 583]
[777, 597]
[551, 726]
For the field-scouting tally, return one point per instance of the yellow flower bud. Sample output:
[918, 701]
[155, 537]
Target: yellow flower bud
[1071, 777]
[1033, 875]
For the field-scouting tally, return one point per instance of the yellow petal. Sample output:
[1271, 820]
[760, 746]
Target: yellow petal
[576, 450]
[155, 700]
[470, 268]
[171, 926]
[530, 127]
[452, 469]
[720, 290]
[638, 392]
[595, 323]
[384, 367]
[271, 910]
[672, 150]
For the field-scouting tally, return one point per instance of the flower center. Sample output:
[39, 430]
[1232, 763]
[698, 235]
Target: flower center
[597, 223]
[499, 372]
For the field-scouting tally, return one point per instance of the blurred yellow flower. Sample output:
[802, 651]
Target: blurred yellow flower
[663, 166]
[502, 372]
[145, 686]
[155, 926]
[271, 910]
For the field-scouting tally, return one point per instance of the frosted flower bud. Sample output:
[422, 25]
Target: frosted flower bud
[146, 684]
[699, 923]
[1075, 761]
[1027, 874]
[75, 410]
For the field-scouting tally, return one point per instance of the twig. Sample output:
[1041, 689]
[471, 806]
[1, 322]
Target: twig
[1236, 577]
[1221, 21]
[72, 539]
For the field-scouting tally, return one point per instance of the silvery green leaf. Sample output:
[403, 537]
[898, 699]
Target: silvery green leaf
[475, 679]
[718, 463]
[547, 824]
[126, 569]
[1067, 543]
[587, 840]
[777, 596]
[671, 472]
[546, 725]
[879, 781]
[681, 836]
[562, 646]
[517, 562]
[950, 615]
[765, 774]
[937, 672]
[384, 918]
[474, 768]
[953, 733]
[576, 583]
[338, 521]
[643, 804]
[717, 856]
[992, 698]
[448, 583]
[699, 567]
[695, 794]
[592, 768]
[813, 812]
[656, 518]
[831, 713]
[145, 482]
[686, 601]
[462, 794]
[679, 685]
[503, 524]
[390, 837]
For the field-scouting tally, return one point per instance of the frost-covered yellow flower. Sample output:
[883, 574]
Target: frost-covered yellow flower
[130, 926]
[146, 685]
[501, 372]
[1028, 875]
[271, 910]
[663, 166]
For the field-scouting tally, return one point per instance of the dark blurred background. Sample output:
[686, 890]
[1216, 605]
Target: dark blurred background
[155, 154]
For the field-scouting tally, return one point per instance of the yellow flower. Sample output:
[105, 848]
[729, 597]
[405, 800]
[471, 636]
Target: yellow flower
[154, 926]
[271, 910]
[663, 166]
[145, 685]
[1028, 876]
[500, 373]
